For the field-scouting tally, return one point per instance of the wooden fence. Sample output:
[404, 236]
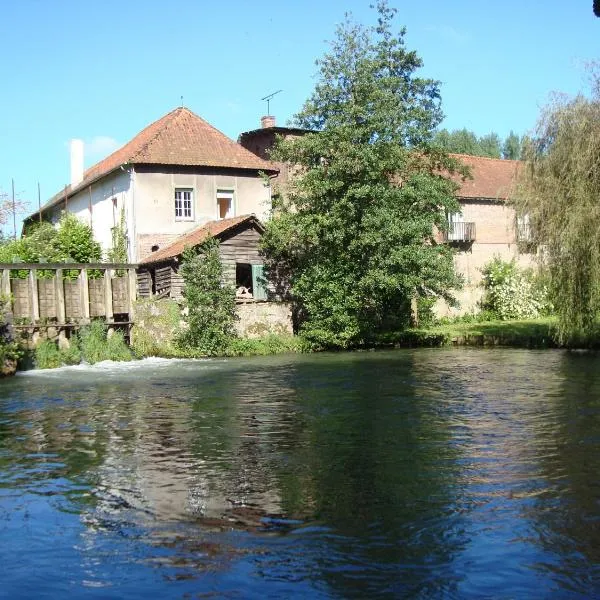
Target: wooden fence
[60, 294]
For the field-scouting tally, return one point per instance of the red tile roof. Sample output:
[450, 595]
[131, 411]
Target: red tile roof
[199, 235]
[493, 178]
[179, 138]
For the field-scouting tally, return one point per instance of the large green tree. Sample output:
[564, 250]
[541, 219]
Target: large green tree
[353, 235]
[560, 193]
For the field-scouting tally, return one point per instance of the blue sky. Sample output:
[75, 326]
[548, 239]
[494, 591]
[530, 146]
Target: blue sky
[102, 71]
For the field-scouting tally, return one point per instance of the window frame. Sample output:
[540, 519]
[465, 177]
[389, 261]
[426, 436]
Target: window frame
[229, 194]
[183, 217]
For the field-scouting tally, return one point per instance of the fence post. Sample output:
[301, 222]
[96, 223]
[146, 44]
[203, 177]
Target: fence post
[108, 297]
[6, 283]
[33, 295]
[84, 295]
[61, 313]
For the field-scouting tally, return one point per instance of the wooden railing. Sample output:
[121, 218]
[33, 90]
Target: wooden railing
[69, 293]
[460, 231]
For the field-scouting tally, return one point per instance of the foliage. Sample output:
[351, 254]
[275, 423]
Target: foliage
[511, 149]
[96, 345]
[267, 345]
[463, 141]
[352, 238]
[511, 293]
[9, 349]
[559, 191]
[118, 251]
[8, 208]
[75, 240]
[209, 303]
[71, 241]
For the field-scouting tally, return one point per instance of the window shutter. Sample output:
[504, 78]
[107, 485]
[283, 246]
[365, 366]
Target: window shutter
[259, 285]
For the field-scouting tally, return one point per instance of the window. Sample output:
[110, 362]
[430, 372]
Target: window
[250, 281]
[184, 206]
[225, 208]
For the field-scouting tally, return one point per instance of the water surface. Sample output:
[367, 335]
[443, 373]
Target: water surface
[430, 473]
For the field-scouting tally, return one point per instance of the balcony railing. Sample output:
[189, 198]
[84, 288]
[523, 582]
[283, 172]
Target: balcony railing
[460, 231]
[524, 233]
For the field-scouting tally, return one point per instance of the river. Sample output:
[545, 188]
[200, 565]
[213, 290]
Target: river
[427, 473]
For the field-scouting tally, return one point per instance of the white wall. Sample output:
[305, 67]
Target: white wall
[148, 199]
[154, 197]
[94, 205]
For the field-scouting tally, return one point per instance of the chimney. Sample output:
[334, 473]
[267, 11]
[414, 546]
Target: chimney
[267, 121]
[76, 162]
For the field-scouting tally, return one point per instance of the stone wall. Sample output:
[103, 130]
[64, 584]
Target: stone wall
[261, 318]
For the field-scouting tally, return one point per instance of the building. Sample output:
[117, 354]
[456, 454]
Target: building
[486, 226]
[176, 174]
[238, 238]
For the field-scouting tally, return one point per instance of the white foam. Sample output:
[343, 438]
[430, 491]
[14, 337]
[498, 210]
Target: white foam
[118, 367]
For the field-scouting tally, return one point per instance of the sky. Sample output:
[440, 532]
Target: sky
[102, 71]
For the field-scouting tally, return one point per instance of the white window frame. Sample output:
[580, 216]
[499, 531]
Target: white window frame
[184, 207]
[226, 195]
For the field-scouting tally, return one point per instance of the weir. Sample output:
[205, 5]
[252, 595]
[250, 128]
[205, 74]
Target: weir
[66, 296]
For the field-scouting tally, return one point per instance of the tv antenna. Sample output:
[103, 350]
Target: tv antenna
[268, 98]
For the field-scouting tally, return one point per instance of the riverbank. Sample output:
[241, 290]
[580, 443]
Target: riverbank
[532, 333]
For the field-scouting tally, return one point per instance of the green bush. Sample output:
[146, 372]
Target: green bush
[49, 356]
[210, 305]
[97, 346]
[269, 344]
[511, 292]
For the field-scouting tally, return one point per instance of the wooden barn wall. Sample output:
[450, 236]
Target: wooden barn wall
[239, 248]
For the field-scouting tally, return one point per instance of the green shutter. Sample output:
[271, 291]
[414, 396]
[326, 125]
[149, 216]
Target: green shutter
[259, 285]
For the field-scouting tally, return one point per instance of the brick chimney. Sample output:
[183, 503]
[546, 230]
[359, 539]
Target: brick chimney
[267, 121]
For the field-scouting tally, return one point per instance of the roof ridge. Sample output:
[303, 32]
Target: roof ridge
[493, 158]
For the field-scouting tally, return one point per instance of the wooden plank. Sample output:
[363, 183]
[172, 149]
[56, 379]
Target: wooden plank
[119, 294]
[132, 294]
[108, 299]
[20, 294]
[34, 304]
[47, 298]
[76, 266]
[6, 283]
[59, 293]
[96, 295]
[84, 295]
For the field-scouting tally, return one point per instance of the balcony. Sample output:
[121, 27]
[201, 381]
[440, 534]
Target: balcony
[524, 233]
[460, 231]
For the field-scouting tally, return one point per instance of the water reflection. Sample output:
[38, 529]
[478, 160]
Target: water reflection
[424, 473]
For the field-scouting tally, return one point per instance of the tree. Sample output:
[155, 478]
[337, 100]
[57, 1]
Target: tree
[490, 145]
[72, 241]
[512, 146]
[353, 235]
[210, 304]
[463, 141]
[559, 190]
[9, 208]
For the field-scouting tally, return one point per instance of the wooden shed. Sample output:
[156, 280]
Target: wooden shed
[239, 237]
